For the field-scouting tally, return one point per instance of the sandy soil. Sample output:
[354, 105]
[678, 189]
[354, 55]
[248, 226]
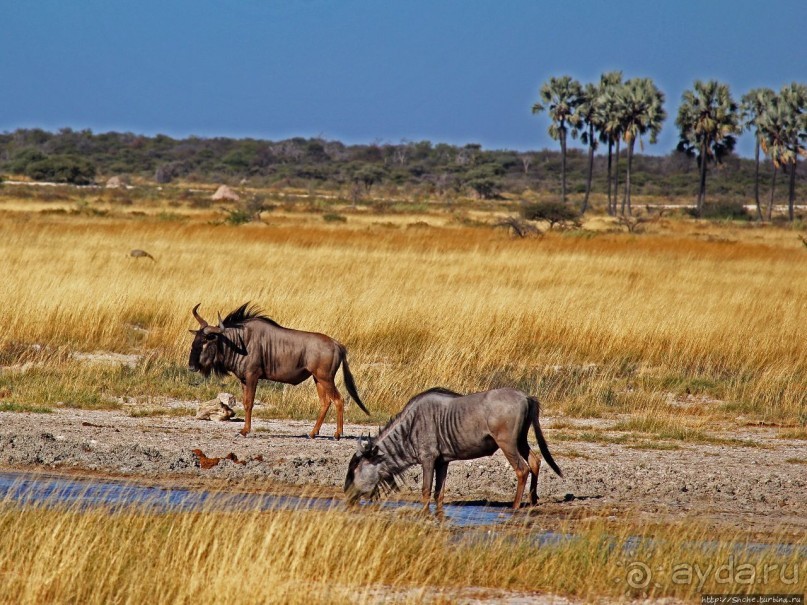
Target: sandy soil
[757, 488]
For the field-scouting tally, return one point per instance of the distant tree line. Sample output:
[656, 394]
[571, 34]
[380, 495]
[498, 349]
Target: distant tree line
[708, 121]
[612, 113]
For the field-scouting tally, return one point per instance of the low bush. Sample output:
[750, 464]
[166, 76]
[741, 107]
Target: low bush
[62, 169]
[554, 213]
[333, 217]
[723, 209]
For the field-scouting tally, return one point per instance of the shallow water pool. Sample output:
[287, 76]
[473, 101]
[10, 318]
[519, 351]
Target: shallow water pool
[51, 490]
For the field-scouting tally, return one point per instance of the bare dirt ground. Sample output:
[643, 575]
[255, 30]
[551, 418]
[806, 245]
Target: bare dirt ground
[760, 488]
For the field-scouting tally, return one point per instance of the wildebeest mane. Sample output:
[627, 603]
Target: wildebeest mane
[394, 419]
[440, 390]
[244, 313]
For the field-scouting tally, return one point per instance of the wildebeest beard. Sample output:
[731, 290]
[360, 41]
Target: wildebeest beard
[217, 368]
[386, 485]
[219, 365]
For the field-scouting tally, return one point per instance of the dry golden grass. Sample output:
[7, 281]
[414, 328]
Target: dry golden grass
[710, 317]
[93, 556]
[592, 323]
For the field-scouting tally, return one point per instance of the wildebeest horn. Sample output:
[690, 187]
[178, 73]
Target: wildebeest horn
[198, 317]
[221, 323]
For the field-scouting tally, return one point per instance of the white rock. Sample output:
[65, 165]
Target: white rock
[217, 409]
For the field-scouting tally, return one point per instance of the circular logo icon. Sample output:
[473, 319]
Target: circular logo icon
[638, 575]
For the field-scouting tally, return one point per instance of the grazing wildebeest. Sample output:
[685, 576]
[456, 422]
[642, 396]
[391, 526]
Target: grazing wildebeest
[252, 346]
[438, 426]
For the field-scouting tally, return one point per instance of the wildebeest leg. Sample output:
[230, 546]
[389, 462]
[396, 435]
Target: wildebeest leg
[521, 467]
[428, 479]
[250, 386]
[332, 396]
[441, 470]
[535, 466]
[325, 403]
[337, 400]
[534, 463]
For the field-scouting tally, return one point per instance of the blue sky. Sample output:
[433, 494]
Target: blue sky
[370, 70]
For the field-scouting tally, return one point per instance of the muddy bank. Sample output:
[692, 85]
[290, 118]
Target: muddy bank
[746, 487]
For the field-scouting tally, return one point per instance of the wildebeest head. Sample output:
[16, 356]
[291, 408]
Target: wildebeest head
[364, 474]
[206, 347]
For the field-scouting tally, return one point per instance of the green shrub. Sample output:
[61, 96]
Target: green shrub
[723, 209]
[333, 217]
[62, 169]
[554, 213]
[237, 217]
[19, 163]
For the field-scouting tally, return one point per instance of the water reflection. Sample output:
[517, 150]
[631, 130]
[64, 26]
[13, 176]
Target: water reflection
[49, 490]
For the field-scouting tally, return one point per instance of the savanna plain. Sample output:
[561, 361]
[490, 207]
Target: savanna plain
[670, 363]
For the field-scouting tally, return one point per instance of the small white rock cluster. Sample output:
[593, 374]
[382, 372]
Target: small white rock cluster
[220, 409]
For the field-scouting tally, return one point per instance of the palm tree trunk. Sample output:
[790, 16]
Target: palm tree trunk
[626, 199]
[791, 194]
[616, 175]
[590, 167]
[702, 187]
[563, 165]
[756, 180]
[773, 188]
[611, 210]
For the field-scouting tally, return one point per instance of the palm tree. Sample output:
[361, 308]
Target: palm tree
[775, 127]
[610, 124]
[642, 109]
[589, 118]
[707, 119]
[560, 98]
[795, 97]
[754, 104]
[593, 115]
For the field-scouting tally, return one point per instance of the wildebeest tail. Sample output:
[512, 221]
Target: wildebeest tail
[535, 410]
[350, 385]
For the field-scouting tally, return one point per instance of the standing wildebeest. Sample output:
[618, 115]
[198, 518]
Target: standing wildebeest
[252, 346]
[438, 426]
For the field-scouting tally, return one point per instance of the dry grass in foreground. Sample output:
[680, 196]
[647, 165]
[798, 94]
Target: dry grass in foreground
[95, 556]
[595, 323]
